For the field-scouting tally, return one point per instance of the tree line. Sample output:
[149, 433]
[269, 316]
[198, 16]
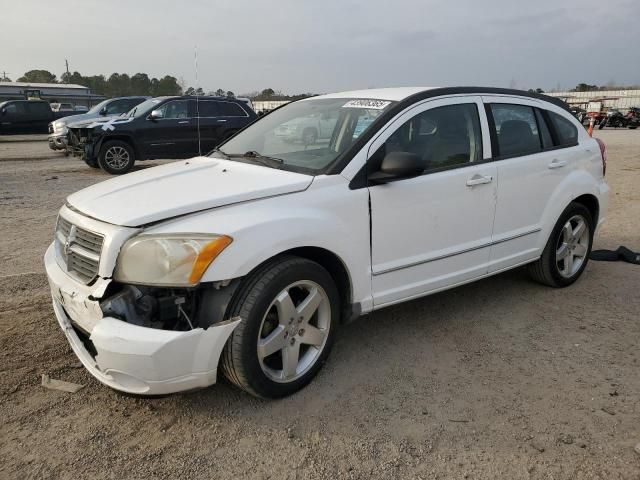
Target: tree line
[116, 85]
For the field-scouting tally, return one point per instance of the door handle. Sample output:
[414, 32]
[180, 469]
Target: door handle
[184, 122]
[221, 120]
[557, 163]
[479, 180]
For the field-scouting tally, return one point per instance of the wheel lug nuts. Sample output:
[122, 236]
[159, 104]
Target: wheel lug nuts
[301, 332]
[293, 341]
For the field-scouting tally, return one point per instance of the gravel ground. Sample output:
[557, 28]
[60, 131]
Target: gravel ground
[498, 379]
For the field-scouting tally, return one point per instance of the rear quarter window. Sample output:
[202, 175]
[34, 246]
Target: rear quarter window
[566, 131]
[229, 109]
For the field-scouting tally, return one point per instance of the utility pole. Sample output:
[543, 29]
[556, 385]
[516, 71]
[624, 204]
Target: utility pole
[66, 62]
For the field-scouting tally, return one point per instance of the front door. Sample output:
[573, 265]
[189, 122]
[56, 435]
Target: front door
[433, 231]
[172, 136]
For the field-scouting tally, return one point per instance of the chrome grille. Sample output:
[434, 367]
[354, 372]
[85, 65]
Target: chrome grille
[79, 249]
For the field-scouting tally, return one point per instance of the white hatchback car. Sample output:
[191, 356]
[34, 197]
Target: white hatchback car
[247, 260]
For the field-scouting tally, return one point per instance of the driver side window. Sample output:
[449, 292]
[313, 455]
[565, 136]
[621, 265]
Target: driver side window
[175, 109]
[444, 137]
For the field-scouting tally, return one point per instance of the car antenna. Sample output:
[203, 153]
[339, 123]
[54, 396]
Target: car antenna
[195, 58]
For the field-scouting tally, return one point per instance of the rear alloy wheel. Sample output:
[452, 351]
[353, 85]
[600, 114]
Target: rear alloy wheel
[289, 310]
[567, 251]
[116, 157]
[572, 246]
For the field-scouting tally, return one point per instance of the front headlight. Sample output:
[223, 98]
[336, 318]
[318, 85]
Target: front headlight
[168, 260]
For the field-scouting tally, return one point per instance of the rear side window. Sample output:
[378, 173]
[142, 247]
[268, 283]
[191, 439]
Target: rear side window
[545, 134]
[565, 130]
[38, 108]
[207, 108]
[516, 129]
[228, 109]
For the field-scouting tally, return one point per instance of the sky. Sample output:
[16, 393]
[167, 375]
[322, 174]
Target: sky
[329, 45]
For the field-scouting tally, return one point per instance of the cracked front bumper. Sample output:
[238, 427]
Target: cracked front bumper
[128, 357]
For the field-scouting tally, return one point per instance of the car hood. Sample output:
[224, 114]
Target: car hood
[182, 187]
[75, 122]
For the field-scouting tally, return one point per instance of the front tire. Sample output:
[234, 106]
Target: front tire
[93, 163]
[289, 309]
[116, 157]
[566, 254]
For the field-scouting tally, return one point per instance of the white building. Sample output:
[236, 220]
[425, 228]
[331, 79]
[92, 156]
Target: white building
[267, 105]
[52, 92]
[620, 99]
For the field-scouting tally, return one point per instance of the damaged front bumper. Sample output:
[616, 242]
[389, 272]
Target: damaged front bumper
[132, 358]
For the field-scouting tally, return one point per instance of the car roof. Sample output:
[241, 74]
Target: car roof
[400, 94]
[393, 93]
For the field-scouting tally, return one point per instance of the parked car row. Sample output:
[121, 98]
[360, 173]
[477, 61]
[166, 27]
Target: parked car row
[162, 127]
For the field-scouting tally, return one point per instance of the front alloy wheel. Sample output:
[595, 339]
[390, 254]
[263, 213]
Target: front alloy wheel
[294, 331]
[116, 157]
[289, 309]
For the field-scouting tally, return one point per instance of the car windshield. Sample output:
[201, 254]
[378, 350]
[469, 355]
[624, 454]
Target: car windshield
[304, 136]
[143, 107]
[98, 107]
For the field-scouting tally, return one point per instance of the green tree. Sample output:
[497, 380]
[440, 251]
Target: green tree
[190, 91]
[140, 84]
[230, 94]
[167, 85]
[38, 76]
[219, 92]
[585, 87]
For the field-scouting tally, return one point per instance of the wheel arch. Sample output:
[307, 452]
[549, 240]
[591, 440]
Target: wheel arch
[336, 268]
[591, 203]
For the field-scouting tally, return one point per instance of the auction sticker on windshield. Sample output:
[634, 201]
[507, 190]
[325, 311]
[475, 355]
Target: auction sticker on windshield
[368, 103]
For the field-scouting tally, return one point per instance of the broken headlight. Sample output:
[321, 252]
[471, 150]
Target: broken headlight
[168, 260]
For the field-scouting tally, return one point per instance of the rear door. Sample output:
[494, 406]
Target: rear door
[433, 231]
[39, 116]
[173, 135]
[210, 125]
[530, 171]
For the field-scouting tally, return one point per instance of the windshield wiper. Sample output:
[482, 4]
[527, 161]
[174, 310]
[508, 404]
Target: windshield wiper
[259, 158]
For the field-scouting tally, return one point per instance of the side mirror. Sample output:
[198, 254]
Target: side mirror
[3, 111]
[156, 115]
[398, 166]
[103, 111]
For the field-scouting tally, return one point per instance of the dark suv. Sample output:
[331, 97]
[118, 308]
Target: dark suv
[163, 127]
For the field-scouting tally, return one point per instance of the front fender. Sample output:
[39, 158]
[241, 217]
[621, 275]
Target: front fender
[327, 215]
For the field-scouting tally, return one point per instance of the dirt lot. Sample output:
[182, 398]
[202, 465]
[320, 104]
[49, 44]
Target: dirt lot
[499, 379]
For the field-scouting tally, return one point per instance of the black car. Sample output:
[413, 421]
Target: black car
[26, 116]
[163, 127]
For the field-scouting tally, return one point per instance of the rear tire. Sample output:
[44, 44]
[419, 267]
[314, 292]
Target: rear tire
[116, 157]
[279, 346]
[566, 254]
